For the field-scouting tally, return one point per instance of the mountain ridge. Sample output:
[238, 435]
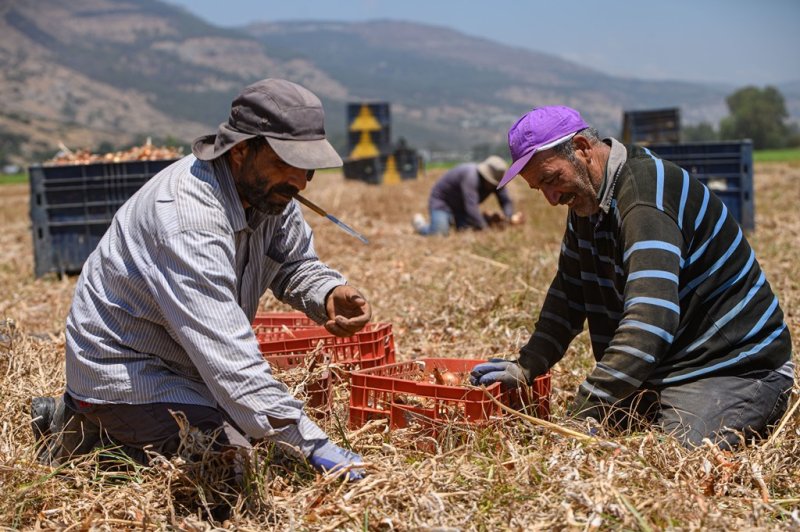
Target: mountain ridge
[111, 71]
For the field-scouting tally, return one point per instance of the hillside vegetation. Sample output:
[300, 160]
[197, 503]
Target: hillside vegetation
[91, 71]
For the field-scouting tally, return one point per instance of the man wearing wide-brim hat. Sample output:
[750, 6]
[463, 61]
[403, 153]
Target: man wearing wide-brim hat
[455, 199]
[162, 312]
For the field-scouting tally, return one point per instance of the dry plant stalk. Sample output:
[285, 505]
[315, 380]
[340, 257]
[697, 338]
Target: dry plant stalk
[510, 475]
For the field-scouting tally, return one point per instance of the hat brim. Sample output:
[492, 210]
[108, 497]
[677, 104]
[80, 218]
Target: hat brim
[306, 154]
[487, 173]
[520, 163]
[514, 170]
[210, 147]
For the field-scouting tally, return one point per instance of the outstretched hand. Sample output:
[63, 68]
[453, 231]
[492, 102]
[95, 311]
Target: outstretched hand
[348, 311]
[330, 458]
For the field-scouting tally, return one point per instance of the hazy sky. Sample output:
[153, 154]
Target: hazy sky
[731, 41]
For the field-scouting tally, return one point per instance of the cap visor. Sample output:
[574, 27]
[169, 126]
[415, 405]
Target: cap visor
[306, 154]
[516, 168]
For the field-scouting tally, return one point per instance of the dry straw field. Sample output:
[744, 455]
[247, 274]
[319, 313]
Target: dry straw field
[471, 295]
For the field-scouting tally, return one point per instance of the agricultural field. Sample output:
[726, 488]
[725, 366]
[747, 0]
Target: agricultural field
[788, 155]
[8, 179]
[472, 295]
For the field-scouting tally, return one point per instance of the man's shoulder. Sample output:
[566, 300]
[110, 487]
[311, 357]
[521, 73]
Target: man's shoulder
[461, 171]
[191, 193]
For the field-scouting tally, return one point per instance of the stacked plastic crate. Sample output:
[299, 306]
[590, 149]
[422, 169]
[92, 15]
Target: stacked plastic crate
[290, 340]
[725, 167]
[72, 206]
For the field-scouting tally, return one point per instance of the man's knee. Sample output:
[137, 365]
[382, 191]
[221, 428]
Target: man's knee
[165, 428]
[728, 411]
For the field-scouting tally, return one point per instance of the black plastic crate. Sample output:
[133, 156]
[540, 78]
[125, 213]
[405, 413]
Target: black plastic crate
[73, 205]
[651, 126]
[726, 168]
[373, 170]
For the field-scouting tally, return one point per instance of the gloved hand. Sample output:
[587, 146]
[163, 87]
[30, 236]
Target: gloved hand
[328, 457]
[508, 373]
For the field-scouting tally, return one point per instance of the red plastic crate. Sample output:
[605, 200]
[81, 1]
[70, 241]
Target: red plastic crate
[318, 391]
[266, 322]
[391, 392]
[370, 347]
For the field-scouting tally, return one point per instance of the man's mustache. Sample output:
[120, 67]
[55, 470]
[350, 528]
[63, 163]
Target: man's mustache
[286, 190]
[565, 198]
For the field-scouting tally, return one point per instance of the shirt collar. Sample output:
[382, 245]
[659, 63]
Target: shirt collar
[616, 159]
[231, 198]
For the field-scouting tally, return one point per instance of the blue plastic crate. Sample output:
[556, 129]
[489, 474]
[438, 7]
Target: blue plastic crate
[72, 206]
[726, 168]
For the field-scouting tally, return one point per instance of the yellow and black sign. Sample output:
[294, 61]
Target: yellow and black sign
[371, 156]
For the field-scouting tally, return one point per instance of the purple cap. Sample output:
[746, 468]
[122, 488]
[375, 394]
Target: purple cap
[539, 129]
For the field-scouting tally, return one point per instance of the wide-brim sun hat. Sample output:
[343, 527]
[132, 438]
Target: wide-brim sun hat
[289, 117]
[492, 169]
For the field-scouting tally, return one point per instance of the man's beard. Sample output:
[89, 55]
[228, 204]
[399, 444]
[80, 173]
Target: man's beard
[586, 197]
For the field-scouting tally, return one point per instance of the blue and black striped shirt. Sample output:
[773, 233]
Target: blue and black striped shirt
[667, 282]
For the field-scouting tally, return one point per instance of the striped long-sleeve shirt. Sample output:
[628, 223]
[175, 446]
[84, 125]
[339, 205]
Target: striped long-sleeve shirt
[163, 307]
[667, 282]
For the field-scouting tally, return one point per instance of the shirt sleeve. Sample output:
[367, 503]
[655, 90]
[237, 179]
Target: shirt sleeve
[194, 283]
[506, 204]
[562, 315]
[302, 281]
[652, 254]
[472, 200]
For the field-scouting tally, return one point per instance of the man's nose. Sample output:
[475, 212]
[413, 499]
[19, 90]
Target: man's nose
[552, 195]
[298, 178]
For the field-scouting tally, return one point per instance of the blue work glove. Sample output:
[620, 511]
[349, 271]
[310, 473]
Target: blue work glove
[507, 372]
[327, 457]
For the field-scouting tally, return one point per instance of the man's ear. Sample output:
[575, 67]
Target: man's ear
[583, 148]
[236, 156]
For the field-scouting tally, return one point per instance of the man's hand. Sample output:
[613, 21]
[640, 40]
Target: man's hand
[328, 457]
[348, 311]
[507, 372]
[494, 219]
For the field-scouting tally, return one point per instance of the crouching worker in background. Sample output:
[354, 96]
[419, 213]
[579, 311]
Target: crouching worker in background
[686, 331]
[456, 197]
[161, 314]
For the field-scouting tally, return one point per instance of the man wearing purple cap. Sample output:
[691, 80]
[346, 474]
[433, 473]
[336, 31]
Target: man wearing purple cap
[685, 328]
[161, 316]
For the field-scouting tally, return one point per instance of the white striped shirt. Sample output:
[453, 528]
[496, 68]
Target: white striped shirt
[163, 307]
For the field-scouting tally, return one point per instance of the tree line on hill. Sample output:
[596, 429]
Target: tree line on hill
[756, 114]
